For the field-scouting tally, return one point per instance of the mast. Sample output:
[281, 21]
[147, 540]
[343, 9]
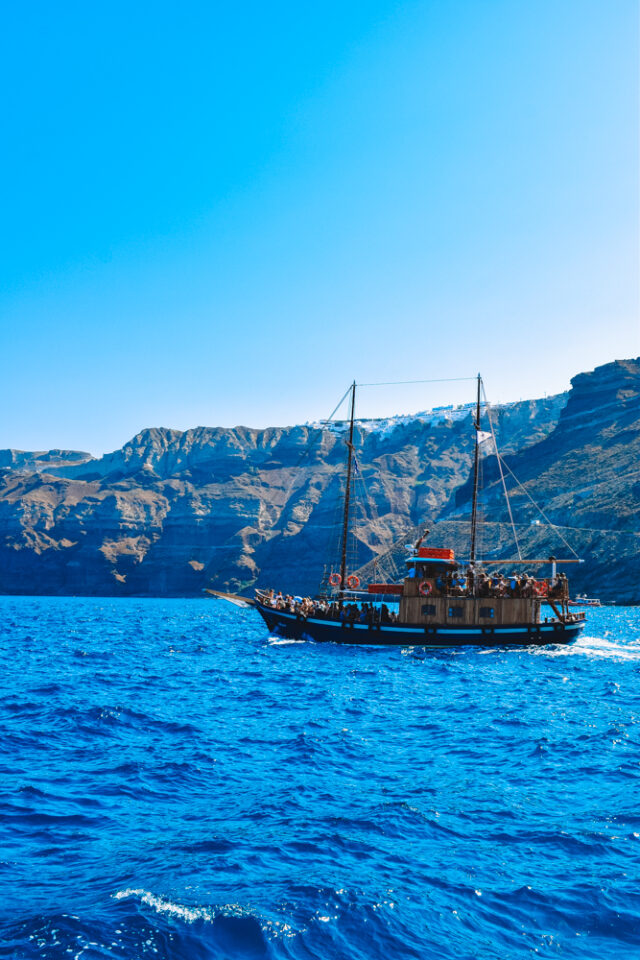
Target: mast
[347, 496]
[476, 463]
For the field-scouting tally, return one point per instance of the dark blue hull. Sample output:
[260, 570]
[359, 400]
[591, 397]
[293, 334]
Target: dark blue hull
[402, 635]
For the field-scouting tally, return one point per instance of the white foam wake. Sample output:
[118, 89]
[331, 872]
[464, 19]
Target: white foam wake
[192, 914]
[162, 905]
[282, 641]
[597, 648]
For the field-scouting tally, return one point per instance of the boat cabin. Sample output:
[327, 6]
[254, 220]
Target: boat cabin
[435, 590]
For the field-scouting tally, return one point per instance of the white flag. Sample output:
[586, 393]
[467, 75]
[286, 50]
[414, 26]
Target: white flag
[483, 436]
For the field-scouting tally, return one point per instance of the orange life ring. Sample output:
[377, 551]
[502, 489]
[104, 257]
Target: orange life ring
[335, 580]
[541, 588]
[425, 588]
[353, 582]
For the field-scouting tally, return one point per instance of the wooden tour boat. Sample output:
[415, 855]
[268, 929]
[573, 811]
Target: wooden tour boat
[438, 603]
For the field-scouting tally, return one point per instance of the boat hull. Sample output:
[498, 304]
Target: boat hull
[401, 635]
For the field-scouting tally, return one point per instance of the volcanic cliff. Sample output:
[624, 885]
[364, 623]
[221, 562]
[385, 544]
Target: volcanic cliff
[172, 512]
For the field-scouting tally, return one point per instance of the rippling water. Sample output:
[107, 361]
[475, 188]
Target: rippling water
[177, 784]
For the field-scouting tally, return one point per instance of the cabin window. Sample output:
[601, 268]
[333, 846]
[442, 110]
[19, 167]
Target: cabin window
[428, 609]
[486, 612]
[455, 611]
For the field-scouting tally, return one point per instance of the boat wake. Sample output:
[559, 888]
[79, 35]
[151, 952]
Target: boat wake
[600, 648]
[282, 641]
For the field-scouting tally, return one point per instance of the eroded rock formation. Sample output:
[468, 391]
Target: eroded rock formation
[174, 511]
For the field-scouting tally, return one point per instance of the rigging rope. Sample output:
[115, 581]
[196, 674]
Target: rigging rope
[538, 508]
[373, 511]
[294, 470]
[339, 404]
[307, 450]
[564, 526]
[499, 459]
[399, 383]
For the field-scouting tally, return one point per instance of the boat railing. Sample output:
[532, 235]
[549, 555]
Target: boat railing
[495, 588]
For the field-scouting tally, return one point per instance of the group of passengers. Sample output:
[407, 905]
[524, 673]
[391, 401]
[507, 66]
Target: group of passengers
[450, 585]
[324, 609]
[524, 586]
[497, 585]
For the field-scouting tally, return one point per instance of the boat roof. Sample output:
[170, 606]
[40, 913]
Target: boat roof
[445, 563]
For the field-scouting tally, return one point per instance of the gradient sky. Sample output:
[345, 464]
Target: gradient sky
[223, 213]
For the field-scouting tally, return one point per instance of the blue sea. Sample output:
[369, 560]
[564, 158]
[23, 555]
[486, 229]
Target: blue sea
[175, 783]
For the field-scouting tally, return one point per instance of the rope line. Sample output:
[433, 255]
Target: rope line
[399, 383]
[339, 404]
[504, 523]
[373, 511]
[310, 446]
[504, 484]
[538, 508]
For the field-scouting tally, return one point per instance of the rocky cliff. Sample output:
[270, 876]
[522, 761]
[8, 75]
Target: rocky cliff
[586, 475]
[174, 511]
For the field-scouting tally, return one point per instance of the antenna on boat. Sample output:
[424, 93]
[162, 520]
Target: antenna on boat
[347, 496]
[476, 463]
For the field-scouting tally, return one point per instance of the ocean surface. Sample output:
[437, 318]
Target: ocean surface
[174, 783]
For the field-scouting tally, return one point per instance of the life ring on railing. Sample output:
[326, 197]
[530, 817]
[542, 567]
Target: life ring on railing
[335, 580]
[353, 582]
[541, 588]
[425, 588]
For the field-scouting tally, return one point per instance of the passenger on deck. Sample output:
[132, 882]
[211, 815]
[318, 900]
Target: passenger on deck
[458, 585]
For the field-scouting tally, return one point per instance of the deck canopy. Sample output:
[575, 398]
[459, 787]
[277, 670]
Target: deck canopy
[431, 560]
[431, 557]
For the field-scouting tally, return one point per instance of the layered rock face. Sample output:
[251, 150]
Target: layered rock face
[41, 461]
[586, 476]
[172, 512]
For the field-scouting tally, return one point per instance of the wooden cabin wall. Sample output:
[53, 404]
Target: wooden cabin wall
[505, 610]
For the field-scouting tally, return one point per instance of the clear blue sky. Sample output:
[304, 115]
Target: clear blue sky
[223, 213]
